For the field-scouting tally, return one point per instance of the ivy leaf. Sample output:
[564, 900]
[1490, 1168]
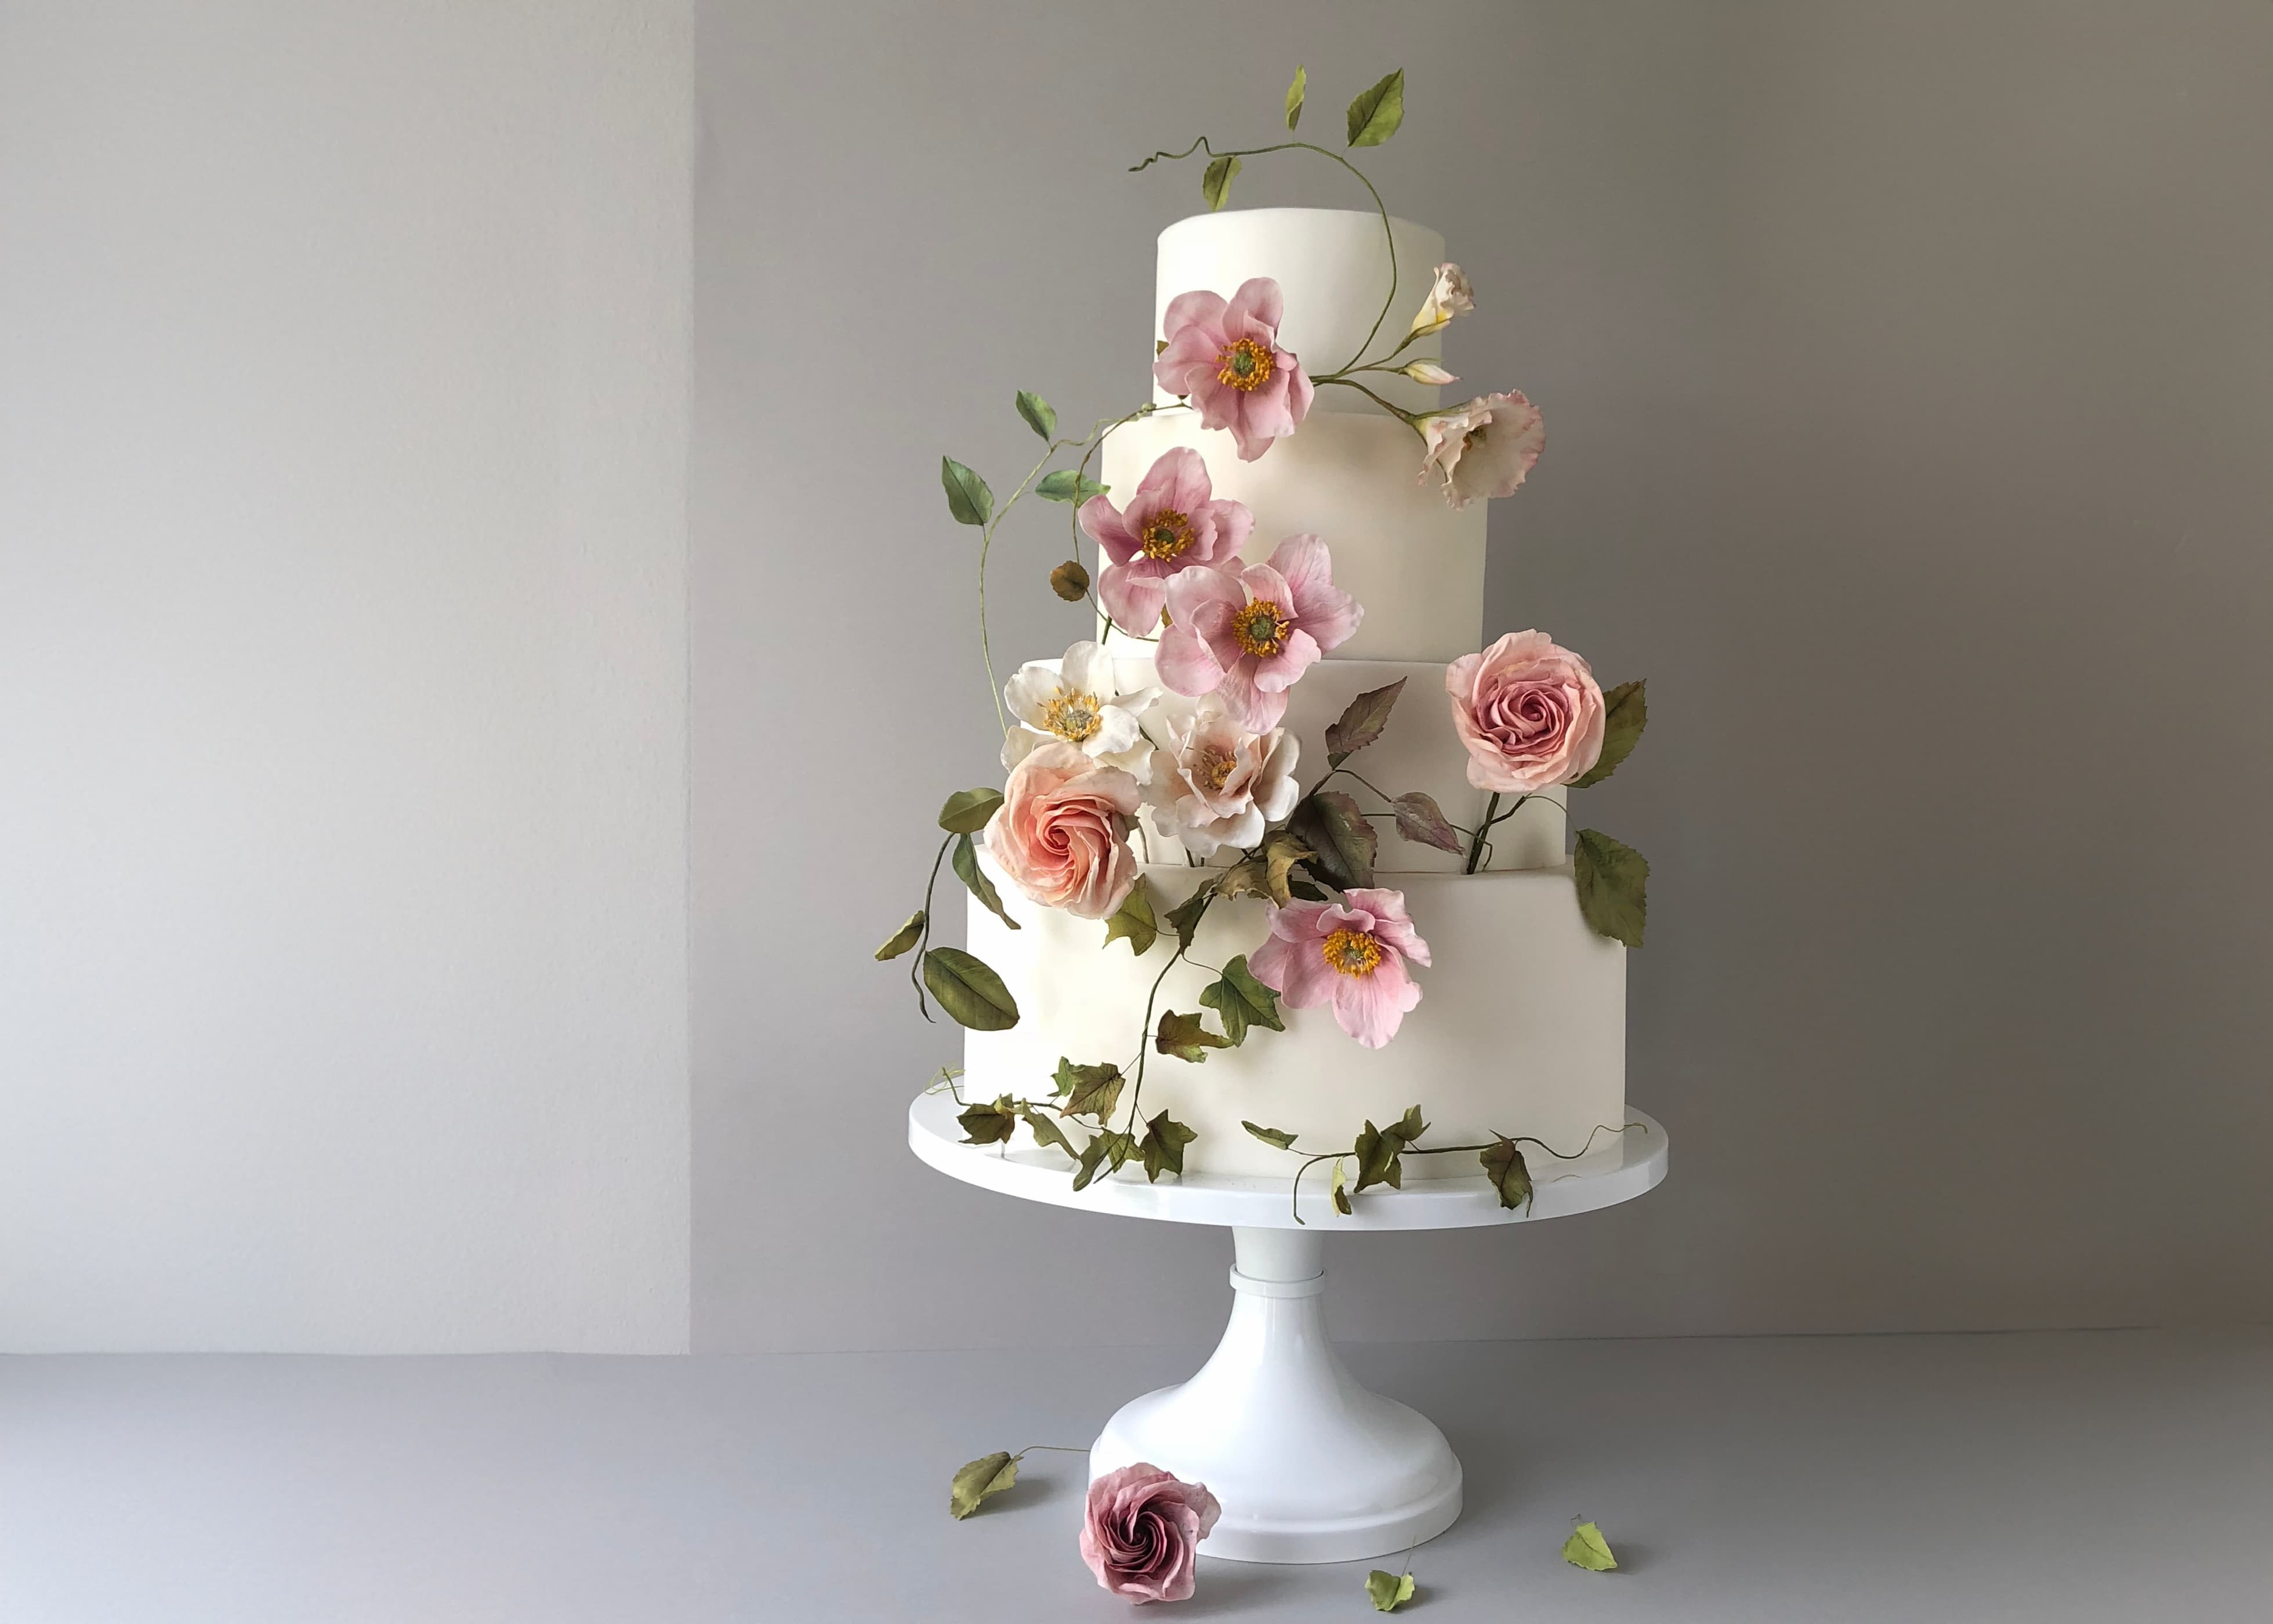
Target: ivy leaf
[968, 498]
[1046, 1132]
[1307, 891]
[1294, 96]
[967, 810]
[1587, 1549]
[1040, 415]
[1613, 882]
[1067, 485]
[1091, 1090]
[1134, 922]
[1240, 1000]
[1407, 1128]
[1215, 180]
[1069, 581]
[1419, 820]
[1340, 1190]
[1184, 918]
[1378, 1162]
[1625, 712]
[969, 991]
[906, 936]
[1115, 1148]
[1388, 1591]
[1163, 1149]
[1267, 874]
[1184, 1037]
[1376, 114]
[967, 871]
[1279, 1136]
[1341, 842]
[989, 1125]
[989, 1474]
[1504, 1165]
[1361, 723]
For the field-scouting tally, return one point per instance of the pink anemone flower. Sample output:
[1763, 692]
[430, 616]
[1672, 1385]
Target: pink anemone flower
[1247, 634]
[1226, 360]
[1350, 954]
[1173, 523]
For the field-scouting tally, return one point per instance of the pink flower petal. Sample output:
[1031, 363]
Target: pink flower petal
[1101, 521]
[1371, 1007]
[1255, 310]
[1281, 671]
[1185, 662]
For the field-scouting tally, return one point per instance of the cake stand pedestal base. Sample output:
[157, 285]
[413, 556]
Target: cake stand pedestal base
[1308, 1465]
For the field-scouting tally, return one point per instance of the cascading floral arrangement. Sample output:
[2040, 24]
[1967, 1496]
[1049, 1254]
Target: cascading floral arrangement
[1198, 755]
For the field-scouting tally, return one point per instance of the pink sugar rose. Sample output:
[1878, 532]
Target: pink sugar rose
[1249, 634]
[1484, 448]
[1061, 832]
[1349, 953]
[1529, 712]
[1173, 523]
[1225, 359]
[1141, 1533]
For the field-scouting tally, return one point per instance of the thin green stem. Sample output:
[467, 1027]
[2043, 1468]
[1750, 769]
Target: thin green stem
[923, 941]
[1409, 419]
[1477, 846]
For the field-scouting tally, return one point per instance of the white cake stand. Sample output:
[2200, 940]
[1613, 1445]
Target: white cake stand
[1308, 1466]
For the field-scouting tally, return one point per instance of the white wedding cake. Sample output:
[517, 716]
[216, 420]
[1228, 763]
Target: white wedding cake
[1520, 1029]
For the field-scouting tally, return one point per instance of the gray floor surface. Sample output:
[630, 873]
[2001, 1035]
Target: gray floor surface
[2089, 1476]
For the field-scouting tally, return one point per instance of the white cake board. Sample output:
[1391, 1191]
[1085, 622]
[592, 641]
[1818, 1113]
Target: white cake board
[1309, 1466]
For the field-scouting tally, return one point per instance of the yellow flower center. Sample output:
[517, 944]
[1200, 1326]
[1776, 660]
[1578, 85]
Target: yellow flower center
[1353, 952]
[1246, 366]
[1212, 768]
[1261, 627]
[1169, 533]
[1073, 717]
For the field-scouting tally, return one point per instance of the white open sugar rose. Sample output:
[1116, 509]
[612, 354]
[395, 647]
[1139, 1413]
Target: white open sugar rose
[1061, 832]
[1214, 782]
[1484, 448]
[1080, 703]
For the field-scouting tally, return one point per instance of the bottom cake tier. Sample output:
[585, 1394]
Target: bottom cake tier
[1520, 1028]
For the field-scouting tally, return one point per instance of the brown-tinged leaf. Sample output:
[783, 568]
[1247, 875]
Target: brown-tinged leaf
[1163, 1148]
[1377, 112]
[968, 990]
[1341, 842]
[1090, 1090]
[906, 936]
[989, 1474]
[967, 871]
[1625, 712]
[1587, 1549]
[1186, 1038]
[1106, 1150]
[1243, 878]
[1504, 1165]
[1613, 882]
[967, 810]
[1279, 1136]
[1045, 1130]
[1361, 724]
[1419, 820]
[1240, 1000]
[1069, 581]
[1135, 921]
[989, 1125]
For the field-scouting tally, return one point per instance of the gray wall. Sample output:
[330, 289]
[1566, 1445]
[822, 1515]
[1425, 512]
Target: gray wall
[1907, 369]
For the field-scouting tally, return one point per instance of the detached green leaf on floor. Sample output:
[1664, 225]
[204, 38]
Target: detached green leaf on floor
[989, 1474]
[1587, 1549]
[1388, 1591]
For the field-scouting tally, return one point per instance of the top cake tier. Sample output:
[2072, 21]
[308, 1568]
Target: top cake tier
[1330, 265]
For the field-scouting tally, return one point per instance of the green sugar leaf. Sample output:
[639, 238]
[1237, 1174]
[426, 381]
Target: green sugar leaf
[1422, 821]
[1184, 918]
[1294, 96]
[1341, 842]
[1240, 1000]
[1340, 1190]
[1613, 882]
[989, 1474]
[1135, 921]
[989, 1125]
[1045, 1130]
[1625, 712]
[1163, 1149]
[906, 936]
[1107, 1150]
[1090, 1090]
[1067, 485]
[1279, 1136]
[968, 498]
[1215, 181]
[1388, 1591]
[1186, 1038]
[1376, 113]
[1587, 1549]
[967, 871]
[1039, 415]
[1407, 1128]
[967, 810]
[972, 994]
[1504, 1165]
[1069, 581]
[1377, 1157]
[1361, 723]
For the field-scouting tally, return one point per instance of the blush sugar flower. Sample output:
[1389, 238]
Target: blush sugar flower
[1351, 954]
[1061, 832]
[1225, 359]
[1141, 1531]
[1173, 523]
[1449, 296]
[1248, 635]
[1080, 703]
[1529, 711]
[1484, 448]
[1214, 782]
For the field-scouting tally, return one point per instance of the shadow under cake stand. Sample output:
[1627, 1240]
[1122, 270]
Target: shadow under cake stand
[1308, 1466]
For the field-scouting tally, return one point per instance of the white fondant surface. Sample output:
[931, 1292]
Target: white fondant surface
[1520, 1028]
[1332, 266]
[1415, 564]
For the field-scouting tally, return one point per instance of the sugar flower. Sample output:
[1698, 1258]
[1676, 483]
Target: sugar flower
[1350, 954]
[1529, 712]
[1428, 372]
[1247, 634]
[1172, 522]
[1061, 832]
[1226, 360]
[1214, 782]
[1141, 1531]
[1082, 704]
[1484, 448]
[1451, 297]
